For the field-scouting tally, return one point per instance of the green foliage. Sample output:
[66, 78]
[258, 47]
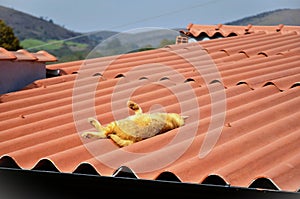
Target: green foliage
[63, 50]
[8, 40]
[70, 51]
[37, 44]
[27, 43]
[166, 42]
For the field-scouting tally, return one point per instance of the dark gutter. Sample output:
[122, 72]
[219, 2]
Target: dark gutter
[31, 184]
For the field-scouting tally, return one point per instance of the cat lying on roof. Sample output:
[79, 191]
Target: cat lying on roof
[136, 127]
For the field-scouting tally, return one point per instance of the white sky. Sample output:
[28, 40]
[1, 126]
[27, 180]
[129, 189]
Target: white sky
[119, 15]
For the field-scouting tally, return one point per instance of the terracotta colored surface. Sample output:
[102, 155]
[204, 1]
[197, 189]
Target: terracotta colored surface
[24, 55]
[247, 96]
[228, 30]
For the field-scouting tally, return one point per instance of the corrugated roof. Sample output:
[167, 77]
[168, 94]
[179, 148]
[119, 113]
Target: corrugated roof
[196, 30]
[243, 106]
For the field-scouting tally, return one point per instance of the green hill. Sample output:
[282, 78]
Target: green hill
[43, 34]
[27, 26]
[281, 16]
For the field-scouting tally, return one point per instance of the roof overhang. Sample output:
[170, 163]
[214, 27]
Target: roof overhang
[19, 183]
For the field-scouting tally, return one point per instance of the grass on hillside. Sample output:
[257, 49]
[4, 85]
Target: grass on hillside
[70, 51]
[35, 44]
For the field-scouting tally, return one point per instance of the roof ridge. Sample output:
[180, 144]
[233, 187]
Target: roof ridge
[24, 55]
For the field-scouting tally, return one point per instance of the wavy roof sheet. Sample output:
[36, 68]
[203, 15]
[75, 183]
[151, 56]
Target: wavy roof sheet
[241, 94]
[195, 30]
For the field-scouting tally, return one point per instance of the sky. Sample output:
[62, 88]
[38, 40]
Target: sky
[123, 15]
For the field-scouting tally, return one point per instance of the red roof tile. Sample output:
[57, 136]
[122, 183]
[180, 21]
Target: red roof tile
[196, 30]
[24, 55]
[6, 55]
[258, 139]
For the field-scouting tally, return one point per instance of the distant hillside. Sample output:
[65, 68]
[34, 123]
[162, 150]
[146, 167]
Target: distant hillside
[281, 16]
[27, 26]
[43, 34]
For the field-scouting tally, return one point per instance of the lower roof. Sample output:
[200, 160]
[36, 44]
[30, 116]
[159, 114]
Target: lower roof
[24, 55]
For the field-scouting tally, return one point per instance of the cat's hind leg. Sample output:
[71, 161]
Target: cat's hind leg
[94, 122]
[102, 132]
[89, 134]
[119, 141]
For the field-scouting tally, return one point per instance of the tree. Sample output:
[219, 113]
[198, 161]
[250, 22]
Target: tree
[8, 40]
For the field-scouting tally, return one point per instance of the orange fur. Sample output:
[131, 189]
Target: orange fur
[136, 127]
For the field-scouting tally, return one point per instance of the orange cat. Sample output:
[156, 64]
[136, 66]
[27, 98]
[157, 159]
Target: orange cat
[136, 127]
